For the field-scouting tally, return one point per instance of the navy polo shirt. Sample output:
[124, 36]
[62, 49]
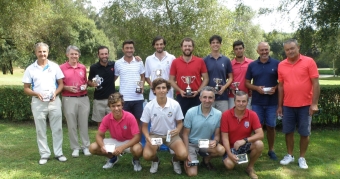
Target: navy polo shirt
[219, 68]
[263, 74]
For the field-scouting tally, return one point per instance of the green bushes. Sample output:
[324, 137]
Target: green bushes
[15, 105]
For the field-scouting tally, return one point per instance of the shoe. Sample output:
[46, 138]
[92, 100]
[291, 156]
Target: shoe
[287, 159]
[110, 162]
[177, 166]
[75, 153]
[86, 152]
[43, 161]
[208, 165]
[302, 163]
[61, 158]
[272, 155]
[154, 166]
[251, 173]
[136, 165]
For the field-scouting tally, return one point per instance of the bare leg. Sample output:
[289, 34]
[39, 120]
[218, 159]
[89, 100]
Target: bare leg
[290, 142]
[304, 141]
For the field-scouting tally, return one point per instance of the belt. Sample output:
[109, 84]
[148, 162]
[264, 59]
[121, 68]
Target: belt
[76, 96]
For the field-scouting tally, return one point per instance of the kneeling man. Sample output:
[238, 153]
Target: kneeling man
[237, 125]
[165, 115]
[200, 124]
[124, 133]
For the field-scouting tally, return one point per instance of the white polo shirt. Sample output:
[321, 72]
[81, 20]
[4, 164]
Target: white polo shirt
[129, 74]
[43, 79]
[162, 119]
[152, 63]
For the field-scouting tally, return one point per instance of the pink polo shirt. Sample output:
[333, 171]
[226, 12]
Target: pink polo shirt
[122, 130]
[74, 75]
[239, 74]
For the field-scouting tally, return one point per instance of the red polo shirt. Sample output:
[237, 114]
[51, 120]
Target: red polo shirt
[74, 75]
[239, 74]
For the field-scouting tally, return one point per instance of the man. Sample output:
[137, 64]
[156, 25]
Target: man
[263, 73]
[194, 69]
[219, 69]
[43, 80]
[202, 122]
[104, 71]
[165, 115]
[158, 65]
[239, 65]
[299, 92]
[124, 133]
[131, 72]
[237, 126]
[75, 102]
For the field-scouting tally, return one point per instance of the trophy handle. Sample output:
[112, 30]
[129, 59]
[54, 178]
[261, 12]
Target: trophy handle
[192, 78]
[183, 79]
[101, 79]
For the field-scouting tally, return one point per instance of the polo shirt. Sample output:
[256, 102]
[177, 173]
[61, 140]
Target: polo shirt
[239, 130]
[74, 75]
[162, 119]
[122, 130]
[107, 73]
[201, 127]
[239, 74]
[152, 63]
[129, 74]
[296, 79]
[195, 67]
[263, 74]
[43, 79]
[218, 68]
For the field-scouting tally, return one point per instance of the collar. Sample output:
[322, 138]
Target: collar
[69, 66]
[167, 104]
[199, 111]
[268, 61]
[246, 60]
[133, 59]
[213, 57]
[246, 114]
[123, 117]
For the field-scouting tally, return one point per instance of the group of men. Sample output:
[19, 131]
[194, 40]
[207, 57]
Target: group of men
[210, 117]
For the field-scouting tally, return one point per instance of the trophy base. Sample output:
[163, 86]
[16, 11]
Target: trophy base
[138, 90]
[99, 87]
[188, 92]
[217, 89]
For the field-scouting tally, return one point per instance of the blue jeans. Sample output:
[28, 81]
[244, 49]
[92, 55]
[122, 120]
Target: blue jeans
[266, 114]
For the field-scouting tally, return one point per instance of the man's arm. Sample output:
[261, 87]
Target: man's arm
[216, 139]
[145, 131]
[100, 141]
[205, 81]
[30, 92]
[172, 80]
[280, 103]
[226, 145]
[142, 78]
[230, 80]
[257, 136]
[178, 128]
[132, 142]
[250, 86]
[185, 136]
[149, 82]
[316, 93]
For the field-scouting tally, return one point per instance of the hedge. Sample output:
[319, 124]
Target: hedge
[15, 105]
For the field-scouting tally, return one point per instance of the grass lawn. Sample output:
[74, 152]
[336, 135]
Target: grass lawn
[19, 159]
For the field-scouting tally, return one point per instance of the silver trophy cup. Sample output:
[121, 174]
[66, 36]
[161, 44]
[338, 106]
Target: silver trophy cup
[139, 87]
[158, 73]
[188, 80]
[236, 85]
[98, 80]
[218, 86]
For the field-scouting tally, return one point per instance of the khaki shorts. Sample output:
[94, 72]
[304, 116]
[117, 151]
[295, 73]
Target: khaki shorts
[193, 150]
[173, 139]
[100, 109]
[117, 143]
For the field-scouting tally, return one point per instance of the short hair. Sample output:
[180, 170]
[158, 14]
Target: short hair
[237, 43]
[158, 38]
[188, 39]
[291, 41]
[103, 47]
[128, 42]
[207, 88]
[159, 81]
[41, 44]
[72, 47]
[215, 37]
[240, 93]
[115, 98]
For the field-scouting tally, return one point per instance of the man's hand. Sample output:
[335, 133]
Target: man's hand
[313, 109]
[118, 151]
[174, 132]
[239, 143]
[259, 89]
[138, 58]
[233, 157]
[103, 149]
[212, 143]
[279, 111]
[187, 161]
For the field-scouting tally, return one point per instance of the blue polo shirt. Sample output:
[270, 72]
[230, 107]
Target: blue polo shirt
[263, 74]
[201, 127]
[218, 68]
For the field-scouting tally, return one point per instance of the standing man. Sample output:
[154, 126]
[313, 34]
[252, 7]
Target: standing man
[237, 126]
[43, 80]
[202, 122]
[75, 102]
[219, 69]
[194, 69]
[158, 65]
[299, 92]
[104, 71]
[131, 72]
[165, 115]
[263, 73]
[240, 65]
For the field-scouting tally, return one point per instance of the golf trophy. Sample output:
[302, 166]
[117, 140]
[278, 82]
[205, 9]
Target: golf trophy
[158, 73]
[236, 85]
[218, 86]
[98, 80]
[139, 87]
[188, 80]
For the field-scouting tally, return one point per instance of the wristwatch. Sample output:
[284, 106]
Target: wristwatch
[246, 139]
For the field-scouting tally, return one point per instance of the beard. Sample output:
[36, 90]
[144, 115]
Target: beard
[104, 60]
[187, 53]
[160, 50]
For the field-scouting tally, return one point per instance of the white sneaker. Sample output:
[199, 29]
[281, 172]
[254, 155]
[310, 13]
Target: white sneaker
[43, 161]
[136, 165]
[75, 153]
[177, 166]
[302, 163]
[287, 159]
[109, 164]
[86, 152]
[154, 166]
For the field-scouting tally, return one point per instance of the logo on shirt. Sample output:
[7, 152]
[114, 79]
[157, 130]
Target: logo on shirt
[154, 115]
[169, 114]
[222, 64]
[81, 73]
[49, 70]
[272, 69]
[167, 62]
[246, 124]
[111, 69]
[125, 127]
